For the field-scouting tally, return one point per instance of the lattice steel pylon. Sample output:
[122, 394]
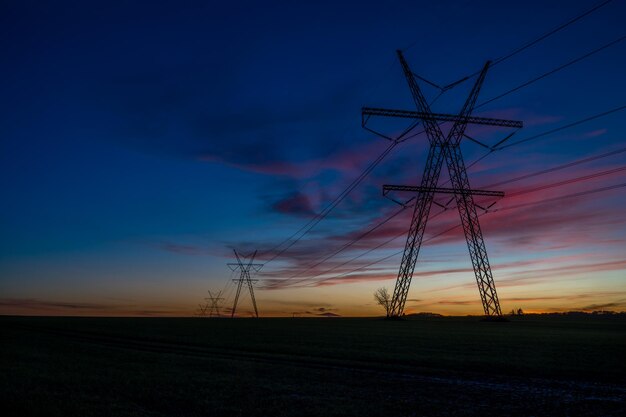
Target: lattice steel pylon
[214, 307]
[201, 310]
[443, 148]
[245, 277]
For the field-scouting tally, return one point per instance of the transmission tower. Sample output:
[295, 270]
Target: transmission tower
[443, 147]
[201, 310]
[214, 307]
[245, 277]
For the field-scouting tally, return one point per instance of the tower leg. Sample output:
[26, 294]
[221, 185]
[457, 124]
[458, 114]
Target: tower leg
[256, 311]
[421, 212]
[473, 233]
[236, 298]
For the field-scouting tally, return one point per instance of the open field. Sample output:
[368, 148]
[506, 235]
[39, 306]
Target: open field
[294, 367]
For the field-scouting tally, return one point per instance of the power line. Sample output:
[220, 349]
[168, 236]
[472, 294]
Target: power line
[557, 69]
[587, 119]
[394, 143]
[540, 38]
[548, 132]
[372, 89]
[313, 222]
[366, 252]
[567, 165]
[550, 200]
[540, 77]
[567, 126]
[564, 197]
[319, 217]
[330, 206]
[393, 254]
[549, 33]
[542, 172]
[568, 181]
[500, 183]
[347, 245]
[559, 167]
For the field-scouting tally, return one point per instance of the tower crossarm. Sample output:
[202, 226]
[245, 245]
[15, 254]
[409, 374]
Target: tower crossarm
[234, 266]
[367, 112]
[420, 189]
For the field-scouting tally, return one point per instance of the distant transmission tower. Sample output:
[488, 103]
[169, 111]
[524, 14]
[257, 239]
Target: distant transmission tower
[214, 307]
[245, 277]
[201, 310]
[443, 148]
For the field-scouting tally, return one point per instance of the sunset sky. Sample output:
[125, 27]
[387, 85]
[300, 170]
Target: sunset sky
[141, 143]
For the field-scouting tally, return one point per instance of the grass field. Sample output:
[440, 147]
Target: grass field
[533, 365]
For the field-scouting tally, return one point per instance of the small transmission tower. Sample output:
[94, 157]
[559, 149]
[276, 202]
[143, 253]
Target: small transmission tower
[213, 307]
[443, 148]
[245, 277]
[201, 310]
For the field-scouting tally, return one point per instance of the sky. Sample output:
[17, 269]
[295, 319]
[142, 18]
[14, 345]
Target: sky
[141, 142]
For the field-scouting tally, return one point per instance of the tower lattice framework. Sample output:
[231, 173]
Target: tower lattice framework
[245, 269]
[444, 148]
[214, 307]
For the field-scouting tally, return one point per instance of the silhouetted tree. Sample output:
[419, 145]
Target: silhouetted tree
[520, 312]
[383, 298]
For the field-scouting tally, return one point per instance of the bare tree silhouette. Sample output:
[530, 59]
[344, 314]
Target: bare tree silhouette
[383, 298]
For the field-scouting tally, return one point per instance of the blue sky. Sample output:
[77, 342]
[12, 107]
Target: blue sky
[141, 142]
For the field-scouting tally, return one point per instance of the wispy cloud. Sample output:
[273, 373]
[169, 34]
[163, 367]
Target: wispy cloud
[616, 304]
[296, 204]
[37, 306]
[185, 249]
[34, 303]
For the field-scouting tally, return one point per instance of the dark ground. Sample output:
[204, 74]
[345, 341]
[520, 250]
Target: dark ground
[312, 367]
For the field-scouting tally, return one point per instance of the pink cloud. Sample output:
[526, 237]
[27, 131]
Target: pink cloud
[559, 225]
[522, 229]
[596, 133]
[349, 162]
[184, 249]
[296, 204]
